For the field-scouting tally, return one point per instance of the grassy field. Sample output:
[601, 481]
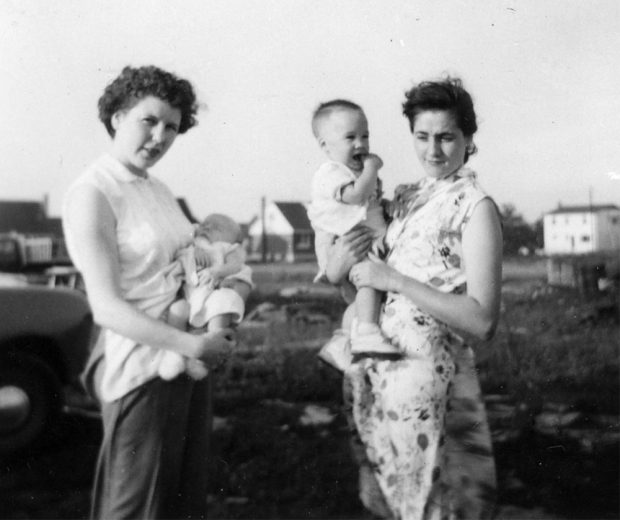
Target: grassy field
[549, 339]
[280, 447]
[552, 346]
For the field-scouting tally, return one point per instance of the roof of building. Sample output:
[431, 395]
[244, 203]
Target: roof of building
[586, 208]
[22, 217]
[53, 226]
[295, 213]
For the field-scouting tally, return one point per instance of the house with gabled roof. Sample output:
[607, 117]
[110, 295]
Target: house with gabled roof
[281, 234]
[22, 216]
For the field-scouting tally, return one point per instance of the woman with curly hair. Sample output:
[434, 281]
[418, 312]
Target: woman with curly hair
[421, 434]
[123, 227]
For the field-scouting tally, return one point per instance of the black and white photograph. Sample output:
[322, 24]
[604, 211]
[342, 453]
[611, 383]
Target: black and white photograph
[310, 259]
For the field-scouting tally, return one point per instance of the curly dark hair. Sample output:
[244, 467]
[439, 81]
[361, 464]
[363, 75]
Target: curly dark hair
[446, 94]
[136, 83]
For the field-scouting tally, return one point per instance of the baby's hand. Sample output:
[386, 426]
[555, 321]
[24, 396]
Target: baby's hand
[202, 258]
[372, 160]
[205, 276]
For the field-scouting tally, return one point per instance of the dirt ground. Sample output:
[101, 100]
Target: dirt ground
[280, 447]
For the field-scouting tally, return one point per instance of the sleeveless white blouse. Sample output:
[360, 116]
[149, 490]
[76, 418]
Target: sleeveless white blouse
[150, 228]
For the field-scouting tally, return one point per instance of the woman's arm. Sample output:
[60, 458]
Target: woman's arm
[93, 226]
[476, 312]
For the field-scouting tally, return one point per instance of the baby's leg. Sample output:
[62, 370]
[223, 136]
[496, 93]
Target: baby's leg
[221, 321]
[223, 309]
[347, 318]
[366, 336]
[195, 368]
[367, 302]
[172, 364]
[178, 314]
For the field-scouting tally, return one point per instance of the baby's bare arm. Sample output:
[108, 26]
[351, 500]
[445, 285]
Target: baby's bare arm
[359, 190]
[233, 262]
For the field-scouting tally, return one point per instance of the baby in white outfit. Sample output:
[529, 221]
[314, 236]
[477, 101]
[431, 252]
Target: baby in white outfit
[346, 191]
[215, 254]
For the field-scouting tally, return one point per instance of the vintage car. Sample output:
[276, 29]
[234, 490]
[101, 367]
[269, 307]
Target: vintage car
[46, 333]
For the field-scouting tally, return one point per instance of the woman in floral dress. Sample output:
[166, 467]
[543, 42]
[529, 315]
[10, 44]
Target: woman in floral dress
[421, 435]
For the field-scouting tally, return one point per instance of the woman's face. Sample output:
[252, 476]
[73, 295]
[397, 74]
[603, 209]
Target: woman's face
[144, 133]
[439, 142]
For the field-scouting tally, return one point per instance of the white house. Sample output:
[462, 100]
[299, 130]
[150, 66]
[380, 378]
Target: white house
[571, 230]
[287, 234]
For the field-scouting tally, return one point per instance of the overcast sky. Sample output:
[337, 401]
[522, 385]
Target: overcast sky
[545, 77]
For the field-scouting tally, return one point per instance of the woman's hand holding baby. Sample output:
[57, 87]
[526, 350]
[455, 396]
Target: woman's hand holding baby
[346, 251]
[214, 347]
[396, 209]
[376, 274]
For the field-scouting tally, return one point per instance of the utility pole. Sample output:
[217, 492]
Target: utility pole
[591, 217]
[264, 230]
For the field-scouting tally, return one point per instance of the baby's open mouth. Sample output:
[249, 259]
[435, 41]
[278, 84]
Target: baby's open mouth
[358, 160]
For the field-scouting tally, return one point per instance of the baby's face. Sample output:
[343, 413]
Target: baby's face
[215, 233]
[343, 137]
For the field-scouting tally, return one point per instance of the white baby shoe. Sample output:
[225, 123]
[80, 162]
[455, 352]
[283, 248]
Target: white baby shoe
[367, 338]
[337, 351]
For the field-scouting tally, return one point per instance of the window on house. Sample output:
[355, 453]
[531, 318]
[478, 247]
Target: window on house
[304, 242]
[614, 220]
[585, 238]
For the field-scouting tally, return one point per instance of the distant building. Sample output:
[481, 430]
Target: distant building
[287, 234]
[583, 245]
[28, 236]
[21, 216]
[582, 229]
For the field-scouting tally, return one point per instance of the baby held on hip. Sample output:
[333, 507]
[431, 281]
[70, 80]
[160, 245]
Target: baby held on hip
[216, 254]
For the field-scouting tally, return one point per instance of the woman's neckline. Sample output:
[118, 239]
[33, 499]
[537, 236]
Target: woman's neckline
[456, 173]
[126, 172]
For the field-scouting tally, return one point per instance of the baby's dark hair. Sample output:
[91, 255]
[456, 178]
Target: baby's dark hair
[446, 94]
[326, 109]
[136, 83]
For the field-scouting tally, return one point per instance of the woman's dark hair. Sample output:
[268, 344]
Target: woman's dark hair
[134, 84]
[447, 94]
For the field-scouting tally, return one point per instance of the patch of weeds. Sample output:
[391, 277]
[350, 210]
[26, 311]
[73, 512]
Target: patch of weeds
[542, 348]
[284, 470]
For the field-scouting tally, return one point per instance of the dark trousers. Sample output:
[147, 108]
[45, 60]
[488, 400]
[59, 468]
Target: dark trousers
[153, 460]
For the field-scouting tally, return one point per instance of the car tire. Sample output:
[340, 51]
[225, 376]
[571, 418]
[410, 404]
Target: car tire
[38, 398]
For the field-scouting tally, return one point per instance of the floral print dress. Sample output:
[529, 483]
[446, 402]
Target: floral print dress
[420, 424]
